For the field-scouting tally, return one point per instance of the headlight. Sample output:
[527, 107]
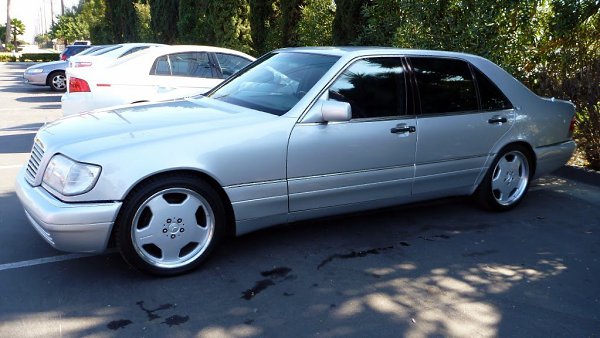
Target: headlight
[69, 177]
[34, 71]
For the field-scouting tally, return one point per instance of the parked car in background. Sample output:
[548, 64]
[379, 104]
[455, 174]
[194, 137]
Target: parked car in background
[298, 134]
[156, 74]
[52, 73]
[72, 50]
[109, 55]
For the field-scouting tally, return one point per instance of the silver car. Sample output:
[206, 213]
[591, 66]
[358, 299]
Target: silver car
[300, 133]
[52, 73]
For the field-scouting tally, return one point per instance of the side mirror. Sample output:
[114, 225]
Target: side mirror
[336, 111]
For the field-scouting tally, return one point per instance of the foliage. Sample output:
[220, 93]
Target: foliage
[17, 27]
[348, 21]
[192, 15]
[94, 13]
[70, 27]
[227, 24]
[291, 13]
[7, 58]
[164, 15]
[39, 57]
[143, 30]
[264, 17]
[122, 17]
[315, 25]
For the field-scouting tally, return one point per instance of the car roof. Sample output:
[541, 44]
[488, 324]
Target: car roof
[373, 50]
[199, 48]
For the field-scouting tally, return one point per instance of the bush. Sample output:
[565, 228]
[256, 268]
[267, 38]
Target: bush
[7, 58]
[40, 57]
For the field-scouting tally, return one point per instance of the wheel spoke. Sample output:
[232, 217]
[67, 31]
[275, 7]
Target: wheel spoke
[170, 250]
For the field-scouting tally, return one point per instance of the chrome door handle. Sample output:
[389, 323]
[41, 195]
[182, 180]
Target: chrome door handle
[402, 128]
[497, 119]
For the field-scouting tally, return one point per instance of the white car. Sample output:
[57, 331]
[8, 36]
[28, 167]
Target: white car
[108, 55]
[157, 74]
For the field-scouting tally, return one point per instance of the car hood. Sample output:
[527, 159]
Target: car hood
[132, 124]
[51, 64]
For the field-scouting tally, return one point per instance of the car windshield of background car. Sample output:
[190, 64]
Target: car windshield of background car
[276, 83]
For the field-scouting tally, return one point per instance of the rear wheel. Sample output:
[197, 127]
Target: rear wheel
[57, 81]
[507, 180]
[169, 225]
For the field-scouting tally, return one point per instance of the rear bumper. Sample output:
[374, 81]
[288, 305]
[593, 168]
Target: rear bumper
[75, 227]
[552, 157]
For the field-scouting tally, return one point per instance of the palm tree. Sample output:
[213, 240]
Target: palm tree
[8, 28]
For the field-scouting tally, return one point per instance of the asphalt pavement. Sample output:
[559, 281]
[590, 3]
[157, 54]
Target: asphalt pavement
[442, 268]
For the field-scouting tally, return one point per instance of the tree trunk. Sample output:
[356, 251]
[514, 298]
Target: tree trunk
[8, 27]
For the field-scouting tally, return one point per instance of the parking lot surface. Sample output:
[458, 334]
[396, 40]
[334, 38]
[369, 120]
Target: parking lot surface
[443, 268]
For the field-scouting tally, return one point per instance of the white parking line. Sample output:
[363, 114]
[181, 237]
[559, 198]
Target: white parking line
[10, 166]
[46, 260]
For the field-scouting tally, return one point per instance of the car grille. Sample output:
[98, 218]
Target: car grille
[37, 153]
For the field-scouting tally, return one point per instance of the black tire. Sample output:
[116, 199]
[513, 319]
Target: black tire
[57, 81]
[507, 180]
[170, 224]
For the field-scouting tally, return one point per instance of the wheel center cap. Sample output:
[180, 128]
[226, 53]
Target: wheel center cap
[510, 176]
[173, 228]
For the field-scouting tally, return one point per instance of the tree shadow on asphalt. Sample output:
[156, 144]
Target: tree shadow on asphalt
[17, 143]
[443, 268]
[40, 99]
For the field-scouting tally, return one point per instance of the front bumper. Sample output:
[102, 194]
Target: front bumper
[552, 157]
[74, 227]
[38, 79]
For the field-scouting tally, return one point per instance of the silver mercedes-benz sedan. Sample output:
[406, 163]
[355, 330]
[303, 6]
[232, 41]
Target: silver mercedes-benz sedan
[298, 134]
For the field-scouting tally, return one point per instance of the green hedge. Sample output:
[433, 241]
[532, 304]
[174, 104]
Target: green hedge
[40, 57]
[7, 58]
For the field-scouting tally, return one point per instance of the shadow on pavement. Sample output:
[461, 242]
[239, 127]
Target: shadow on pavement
[20, 143]
[36, 99]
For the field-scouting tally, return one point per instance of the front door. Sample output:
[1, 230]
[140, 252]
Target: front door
[367, 159]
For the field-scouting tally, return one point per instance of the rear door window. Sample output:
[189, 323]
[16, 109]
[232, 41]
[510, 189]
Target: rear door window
[444, 85]
[189, 64]
[492, 97]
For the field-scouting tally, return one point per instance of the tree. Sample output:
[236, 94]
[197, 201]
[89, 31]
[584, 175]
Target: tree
[122, 17]
[8, 30]
[192, 15]
[227, 24]
[164, 15]
[70, 27]
[17, 27]
[291, 13]
[264, 16]
[348, 21]
[315, 25]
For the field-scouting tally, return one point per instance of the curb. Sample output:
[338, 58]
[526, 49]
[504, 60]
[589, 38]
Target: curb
[579, 174]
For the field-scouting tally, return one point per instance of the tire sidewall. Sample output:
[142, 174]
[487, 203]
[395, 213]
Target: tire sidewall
[51, 82]
[124, 222]
[485, 193]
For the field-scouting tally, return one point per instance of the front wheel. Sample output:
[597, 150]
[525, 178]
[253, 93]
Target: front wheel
[58, 81]
[169, 225]
[507, 180]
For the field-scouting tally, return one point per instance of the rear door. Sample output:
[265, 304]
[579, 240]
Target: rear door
[463, 114]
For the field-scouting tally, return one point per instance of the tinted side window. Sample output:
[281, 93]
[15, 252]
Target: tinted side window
[231, 63]
[491, 97]
[445, 85]
[374, 88]
[161, 66]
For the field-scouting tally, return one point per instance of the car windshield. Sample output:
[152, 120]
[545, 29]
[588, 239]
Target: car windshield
[275, 83]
